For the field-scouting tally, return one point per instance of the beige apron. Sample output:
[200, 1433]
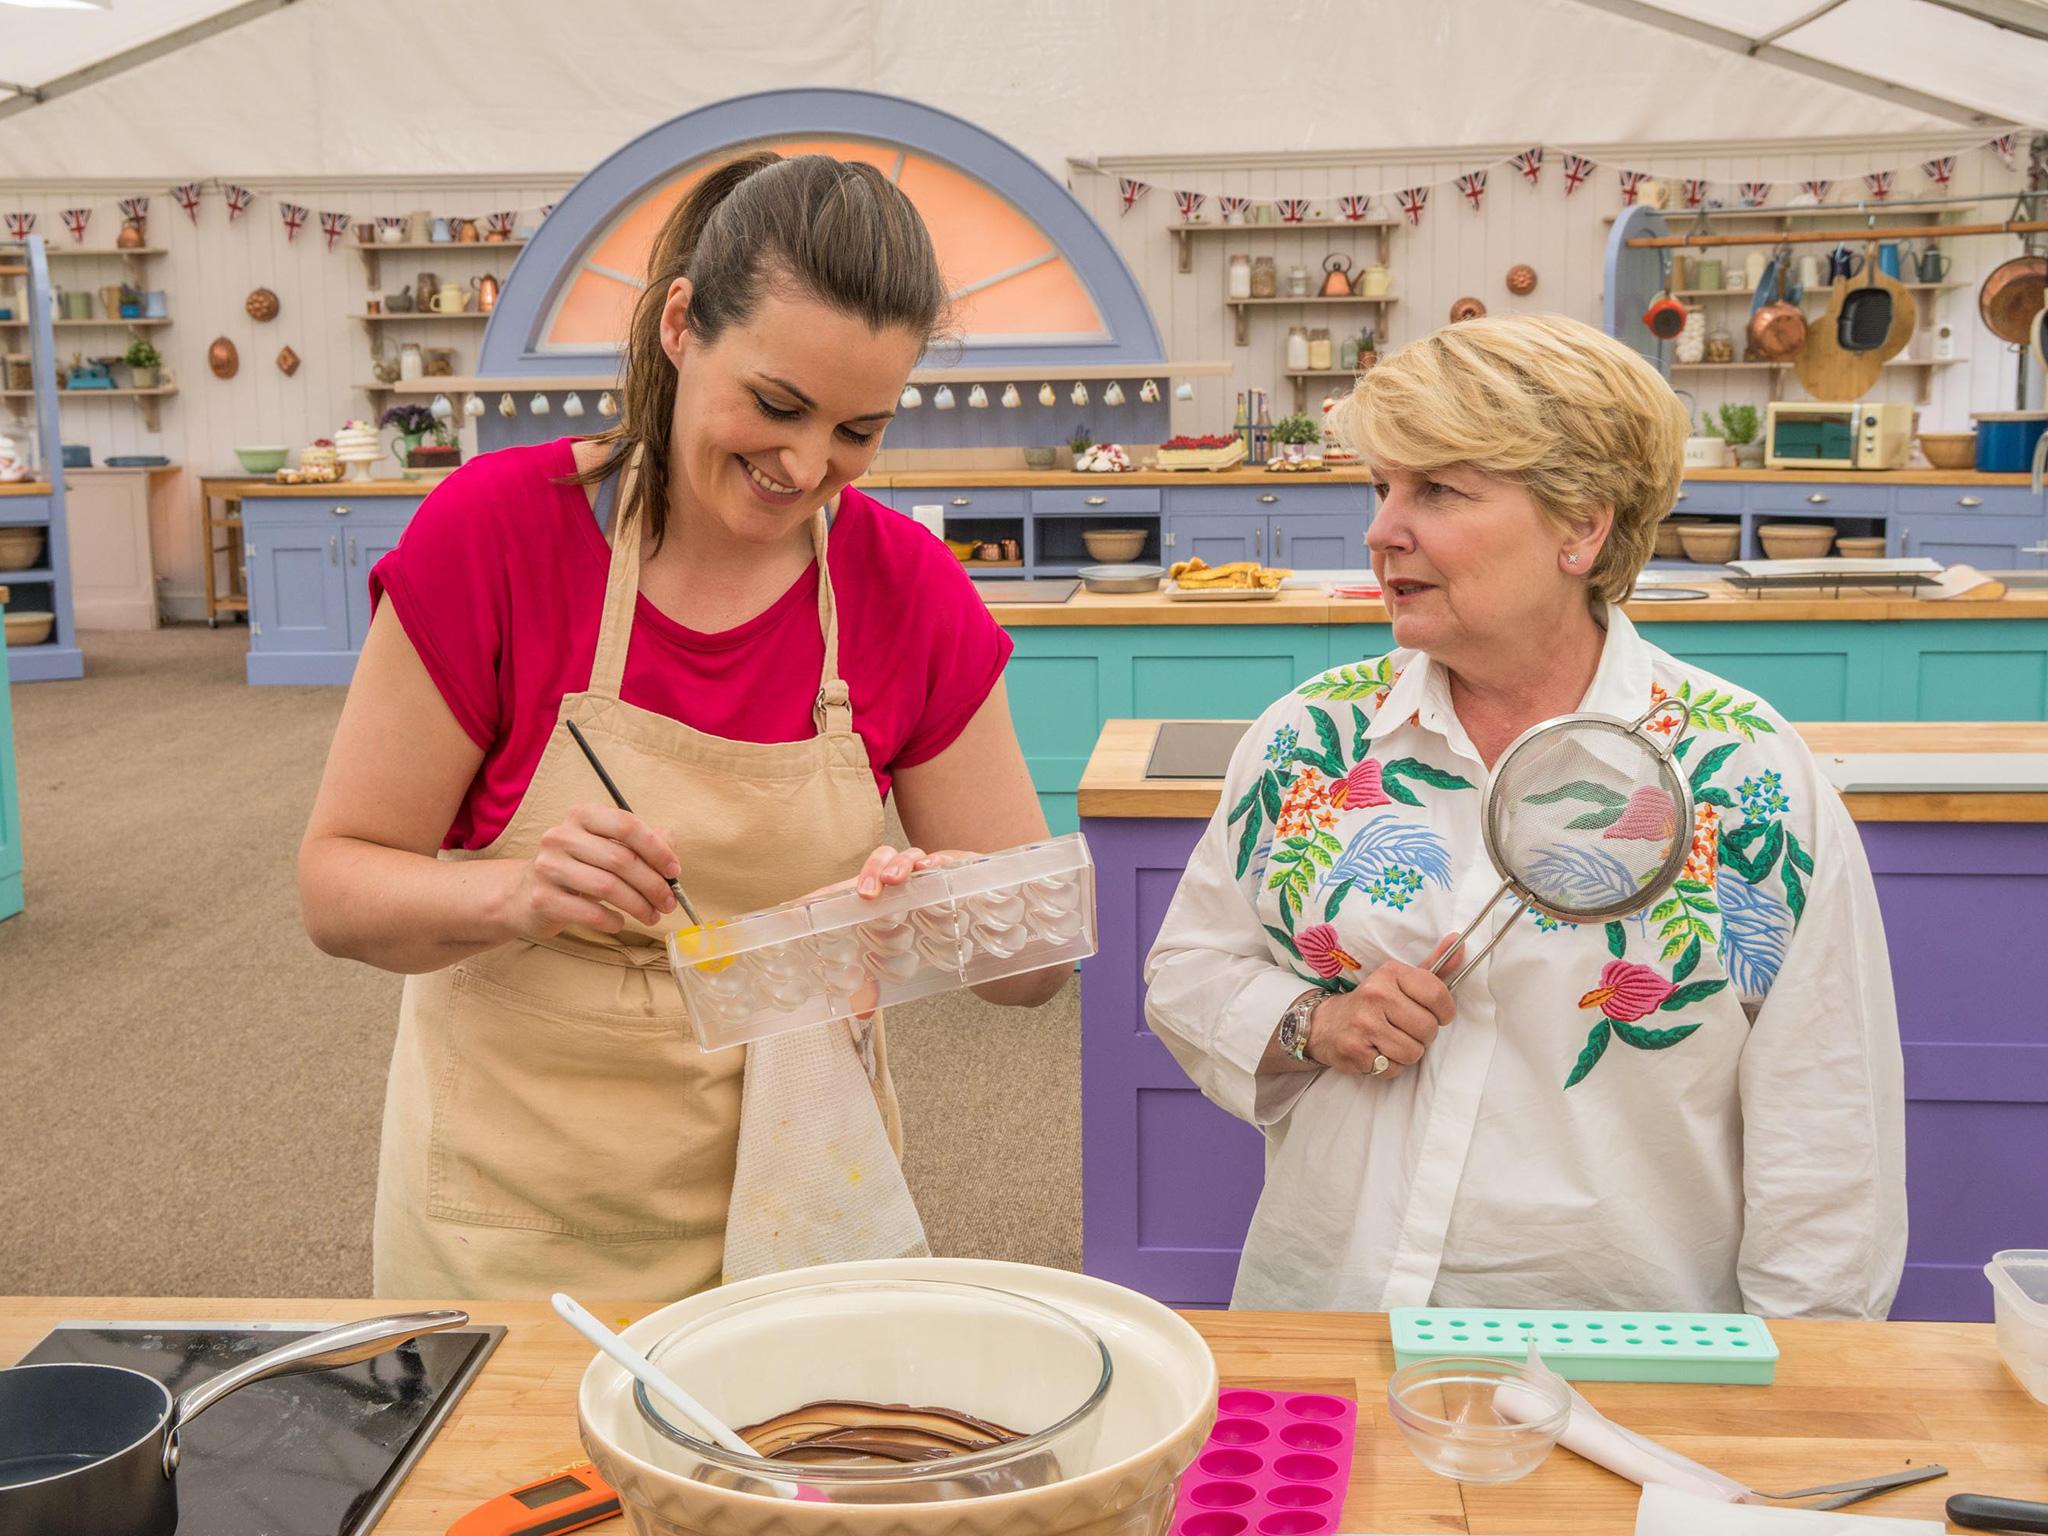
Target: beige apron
[550, 1122]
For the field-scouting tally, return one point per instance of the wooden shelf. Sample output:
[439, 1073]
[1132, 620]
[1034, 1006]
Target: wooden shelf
[431, 317]
[151, 398]
[1893, 362]
[374, 253]
[1859, 210]
[1242, 307]
[1183, 234]
[138, 323]
[61, 253]
[1750, 293]
[965, 374]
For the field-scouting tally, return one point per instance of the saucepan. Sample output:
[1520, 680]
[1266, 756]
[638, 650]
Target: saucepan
[92, 1450]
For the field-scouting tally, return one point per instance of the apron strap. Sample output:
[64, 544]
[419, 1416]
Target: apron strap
[833, 713]
[622, 582]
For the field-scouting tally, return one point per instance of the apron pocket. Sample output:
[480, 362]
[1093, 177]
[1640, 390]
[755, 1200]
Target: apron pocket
[604, 1126]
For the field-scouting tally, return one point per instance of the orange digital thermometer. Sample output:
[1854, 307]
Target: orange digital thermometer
[563, 1501]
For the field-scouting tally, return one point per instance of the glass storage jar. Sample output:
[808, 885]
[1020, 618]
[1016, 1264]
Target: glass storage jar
[1240, 276]
[1319, 348]
[1297, 349]
[1265, 280]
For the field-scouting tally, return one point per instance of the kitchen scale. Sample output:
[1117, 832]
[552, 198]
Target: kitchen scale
[316, 1454]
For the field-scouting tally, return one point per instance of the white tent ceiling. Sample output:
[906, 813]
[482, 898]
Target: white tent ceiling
[314, 88]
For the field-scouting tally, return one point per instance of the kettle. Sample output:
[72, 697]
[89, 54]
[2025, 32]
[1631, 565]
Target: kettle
[486, 293]
[1337, 276]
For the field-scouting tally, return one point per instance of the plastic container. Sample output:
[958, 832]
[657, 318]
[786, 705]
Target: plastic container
[1001, 1357]
[802, 964]
[2019, 1299]
[1276, 1463]
[1454, 1416]
[1596, 1346]
[2005, 439]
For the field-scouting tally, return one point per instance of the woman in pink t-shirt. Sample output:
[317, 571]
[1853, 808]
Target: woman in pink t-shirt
[758, 653]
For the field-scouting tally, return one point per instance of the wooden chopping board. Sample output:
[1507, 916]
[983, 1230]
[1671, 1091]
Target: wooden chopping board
[1829, 371]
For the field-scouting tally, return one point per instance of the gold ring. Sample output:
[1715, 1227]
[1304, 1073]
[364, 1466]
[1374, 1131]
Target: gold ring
[1379, 1064]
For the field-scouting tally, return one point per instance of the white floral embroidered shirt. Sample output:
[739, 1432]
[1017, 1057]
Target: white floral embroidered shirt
[1699, 1108]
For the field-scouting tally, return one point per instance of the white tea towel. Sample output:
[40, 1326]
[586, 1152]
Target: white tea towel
[1666, 1511]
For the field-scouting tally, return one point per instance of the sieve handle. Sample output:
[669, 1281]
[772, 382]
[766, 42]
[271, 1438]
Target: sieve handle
[1466, 969]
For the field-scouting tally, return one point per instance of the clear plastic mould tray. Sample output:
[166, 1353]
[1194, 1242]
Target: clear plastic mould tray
[806, 963]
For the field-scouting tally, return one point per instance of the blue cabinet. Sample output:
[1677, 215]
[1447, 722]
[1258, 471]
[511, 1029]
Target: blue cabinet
[1215, 538]
[1996, 527]
[1312, 527]
[309, 570]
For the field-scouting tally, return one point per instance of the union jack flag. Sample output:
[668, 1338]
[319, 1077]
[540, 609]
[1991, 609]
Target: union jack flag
[1576, 169]
[75, 220]
[1817, 190]
[333, 226]
[1939, 171]
[20, 225]
[1472, 187]
[502, 223]
[2007, 148]
[294, 218]
[546, 209]
[188, 199]
[1880, 184]
[1233, 207]
[1130, 189]
[1292, 209]
[239, 199]
[134, 209]
[1530, 163]
[1354, 206]
[1695, 191]
[389, 221]
[1631, 184]
[1755, 193]
[1413, 200]
[1189, 204]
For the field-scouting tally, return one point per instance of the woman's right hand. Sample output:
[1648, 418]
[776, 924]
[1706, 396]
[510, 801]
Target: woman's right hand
[595, 864]
[1395, 1012]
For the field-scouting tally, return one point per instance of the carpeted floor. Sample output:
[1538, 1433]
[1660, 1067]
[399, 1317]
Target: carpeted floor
[193, 1091]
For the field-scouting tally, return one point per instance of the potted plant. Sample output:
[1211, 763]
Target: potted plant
[1368, 348]
[143, 361]
[1081, 441]
[415, 423]
[1296, 433]
[1738, 427]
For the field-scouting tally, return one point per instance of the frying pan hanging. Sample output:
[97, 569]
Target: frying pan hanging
[1866, 317]
[2011, 297]
[1777, 326]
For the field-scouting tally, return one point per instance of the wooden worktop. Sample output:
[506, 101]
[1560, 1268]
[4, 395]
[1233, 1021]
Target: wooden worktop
[226, 486]
[1722, 605]
[1851, 1399]
[25, 488]
[1919, 475]
[913, 479]
[1114, 782]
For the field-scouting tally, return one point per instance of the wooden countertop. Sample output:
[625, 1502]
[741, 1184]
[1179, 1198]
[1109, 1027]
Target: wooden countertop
[1918, 475]
[25, 488]
[256, 485]
[1722, 605]
[911, 479]
[1114, 782]
[1850, 1399]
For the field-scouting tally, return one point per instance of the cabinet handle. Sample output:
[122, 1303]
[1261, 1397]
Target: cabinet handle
[339, 511]
[1969, 501]
[352, 549]
[334, 549]
[1097, 501]
[1169, 541]
[1683, 494]
[1819, 498]
[1258, 541]
[1268, 499]
[962, 501]
[2035, 549]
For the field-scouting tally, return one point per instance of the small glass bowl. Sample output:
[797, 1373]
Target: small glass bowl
[1459, 1422]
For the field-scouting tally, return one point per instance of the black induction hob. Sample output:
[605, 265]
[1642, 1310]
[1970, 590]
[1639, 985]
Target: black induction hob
[316, 1454]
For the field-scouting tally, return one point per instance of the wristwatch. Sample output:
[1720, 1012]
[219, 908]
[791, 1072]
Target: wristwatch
[1294, 1023]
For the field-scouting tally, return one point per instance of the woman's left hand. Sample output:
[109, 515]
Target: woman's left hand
[888, 866]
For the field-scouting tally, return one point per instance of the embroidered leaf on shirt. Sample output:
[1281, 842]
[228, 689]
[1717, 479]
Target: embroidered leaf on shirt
[1331, 759]
[1686, 961]
[1336, 899]
[1414, 768]
[1722, 711]
[1359, 681]
[1797, 862]
[1617, 940]
[1651, 1039]
[1684, 746]
[1358, 743]
[1681, 916]
[1584, 877]
[1735, 848]
[1286, 940]
[1385, 844]
[1801, 859]
[1580, 789]
[1754, 932]
[1705, 768]
[1686, 996]
[1269, 794]
[1249, 839]
[1596, 1047]
[1296, 861]
[1251, 798]
[1713, 794]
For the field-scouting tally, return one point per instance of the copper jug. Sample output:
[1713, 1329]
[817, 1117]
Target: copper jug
[486, 293]
[1337, 276]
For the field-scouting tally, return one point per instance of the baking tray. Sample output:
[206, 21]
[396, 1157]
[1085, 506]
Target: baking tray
[1181, 594]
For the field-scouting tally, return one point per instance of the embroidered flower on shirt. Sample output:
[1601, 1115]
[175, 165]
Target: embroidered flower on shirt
[1650, 816]
[1667, 722]
[1627, 991]
[1395, 887]
[1321, 952]
[1307, 798]
[1361, 788]
[1281, 749]
[1702, 863]
[1763, 794]
[1545, 923]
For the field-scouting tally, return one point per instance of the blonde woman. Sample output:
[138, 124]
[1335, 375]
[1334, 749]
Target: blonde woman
[1699, 1108]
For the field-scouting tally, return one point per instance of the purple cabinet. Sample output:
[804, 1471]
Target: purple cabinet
[1169, 1180]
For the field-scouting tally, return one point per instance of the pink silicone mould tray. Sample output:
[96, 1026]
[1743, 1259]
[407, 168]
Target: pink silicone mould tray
[1276, 1464]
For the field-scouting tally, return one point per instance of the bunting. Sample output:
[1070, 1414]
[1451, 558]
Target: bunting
[1413, 200]
[2007, 147]
[239, 199]
[1695, 191]
[134, 210]
[1880, 184]
[1817, 190]
[1472, 187]
[1293, 210]
[1130, 189]
[1189, 204]
[1530, 164]
[1354, 206]
[75, 220]
[20, 225]
[1576, 169]
[187, 195]
[294, 217]
[333, 226]
[1939, 171]
[1631, 184]
[1755, 193]
[1233, 207]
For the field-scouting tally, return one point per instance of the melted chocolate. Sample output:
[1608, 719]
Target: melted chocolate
[842, 1432]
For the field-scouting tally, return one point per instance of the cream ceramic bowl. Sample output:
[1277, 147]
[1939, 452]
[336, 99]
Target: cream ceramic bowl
[1118, 1479]
[1796, 541]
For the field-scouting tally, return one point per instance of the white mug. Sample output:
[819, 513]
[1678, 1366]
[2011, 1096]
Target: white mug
[473, 407]
[1114, 395]
[1011, 399]
[1046, 395]
[506, 407]
[538, 405]
[977, 399]
[1184, 390]
[573, 406]
[1079, 393]
[911, 398]
[942, 397]
[1149, 392]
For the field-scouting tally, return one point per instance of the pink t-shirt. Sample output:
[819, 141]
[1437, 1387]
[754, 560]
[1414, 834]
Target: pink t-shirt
[499, 582]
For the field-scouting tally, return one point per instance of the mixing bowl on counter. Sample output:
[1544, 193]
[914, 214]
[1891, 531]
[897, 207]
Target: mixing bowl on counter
[1109, 1394]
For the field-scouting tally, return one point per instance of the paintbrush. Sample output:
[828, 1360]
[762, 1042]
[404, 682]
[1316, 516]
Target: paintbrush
[620, 801]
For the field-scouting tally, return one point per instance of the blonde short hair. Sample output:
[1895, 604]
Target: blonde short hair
[1575, 416]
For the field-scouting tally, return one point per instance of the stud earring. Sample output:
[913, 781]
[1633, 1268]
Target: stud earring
[1571, 559]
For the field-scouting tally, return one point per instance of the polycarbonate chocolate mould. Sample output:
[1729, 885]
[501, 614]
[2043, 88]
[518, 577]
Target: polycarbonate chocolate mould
[808, 963]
